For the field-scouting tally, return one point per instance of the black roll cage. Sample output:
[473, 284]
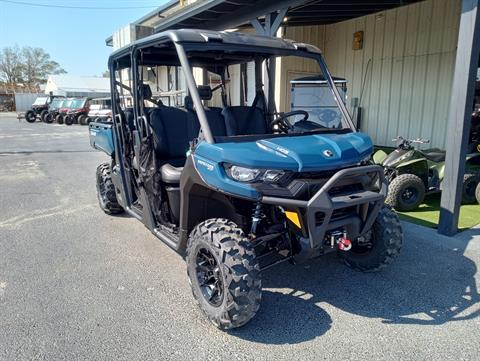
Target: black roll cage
[162, 43]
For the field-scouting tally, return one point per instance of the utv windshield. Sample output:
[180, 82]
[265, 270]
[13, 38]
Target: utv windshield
[67, 103]
[77, 103]
[56, 103]
[40, 101]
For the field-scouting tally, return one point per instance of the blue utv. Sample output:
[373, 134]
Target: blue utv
[228, 181]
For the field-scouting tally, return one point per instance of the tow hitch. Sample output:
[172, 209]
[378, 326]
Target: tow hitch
[339, 239]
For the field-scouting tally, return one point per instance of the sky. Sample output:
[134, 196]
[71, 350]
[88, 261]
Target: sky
[75, 38]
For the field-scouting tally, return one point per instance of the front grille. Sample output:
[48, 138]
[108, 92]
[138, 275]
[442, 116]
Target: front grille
[338, 214]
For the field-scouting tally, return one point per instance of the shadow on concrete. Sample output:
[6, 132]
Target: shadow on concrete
[429, 284]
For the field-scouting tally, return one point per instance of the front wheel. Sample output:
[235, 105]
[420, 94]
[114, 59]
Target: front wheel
[82, 120]
[59, 119]
[224, 273]
[30, 116]
[379, 247]
[68, 120]
[43, 115]
[405, 192]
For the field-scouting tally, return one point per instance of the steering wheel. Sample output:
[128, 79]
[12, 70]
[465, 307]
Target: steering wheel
[283, 124]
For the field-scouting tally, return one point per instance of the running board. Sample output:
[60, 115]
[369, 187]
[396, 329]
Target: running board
[167, 237]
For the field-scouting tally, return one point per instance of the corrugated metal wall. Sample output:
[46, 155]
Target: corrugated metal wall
[405, 68]
[24, 101]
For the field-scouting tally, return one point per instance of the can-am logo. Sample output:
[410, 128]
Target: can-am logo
[205, 164]
[328, 153]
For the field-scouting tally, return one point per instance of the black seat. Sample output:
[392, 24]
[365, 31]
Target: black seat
[436, 156]
[173, 130]
[244, 120]
[214, 115]
[216, 121]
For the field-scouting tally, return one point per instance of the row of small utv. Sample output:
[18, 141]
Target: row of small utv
[68, 111]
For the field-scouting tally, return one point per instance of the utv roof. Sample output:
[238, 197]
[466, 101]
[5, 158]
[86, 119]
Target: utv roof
[264, 44]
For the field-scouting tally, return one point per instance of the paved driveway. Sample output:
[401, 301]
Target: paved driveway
[76, 284]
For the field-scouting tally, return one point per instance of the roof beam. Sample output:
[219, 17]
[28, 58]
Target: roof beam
[242, 16]
[466, 64]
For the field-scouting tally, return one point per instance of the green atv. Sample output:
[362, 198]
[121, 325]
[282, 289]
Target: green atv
[413, 173]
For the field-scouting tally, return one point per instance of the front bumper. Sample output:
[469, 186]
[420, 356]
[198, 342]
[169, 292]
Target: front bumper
[326, 210]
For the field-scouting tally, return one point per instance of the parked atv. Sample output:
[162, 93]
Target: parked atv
[100, 110]
[54, 108]
[39, 108]
[77, 112]
[238, 189]
[414, 173]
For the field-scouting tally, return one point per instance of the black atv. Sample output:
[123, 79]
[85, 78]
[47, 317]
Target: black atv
[39, 109]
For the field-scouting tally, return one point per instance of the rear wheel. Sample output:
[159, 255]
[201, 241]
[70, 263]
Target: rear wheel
[106, 194]
[82, 120]
[224, 273]
[59, 119]
[379, 247]
[48, 118]
[30, 116]
[405, 192]
[470, 182]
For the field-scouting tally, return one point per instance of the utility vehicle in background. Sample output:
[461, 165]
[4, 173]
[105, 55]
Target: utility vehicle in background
[62, 112]
[413, 173]
[77, 112]
[229, 182]
[100, 110]
[54, 109]
[39, 108]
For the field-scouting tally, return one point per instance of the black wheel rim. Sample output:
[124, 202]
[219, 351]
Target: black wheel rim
[209, 277]
[410, 195]
[363, 244]
[470, 188]
[101, 191]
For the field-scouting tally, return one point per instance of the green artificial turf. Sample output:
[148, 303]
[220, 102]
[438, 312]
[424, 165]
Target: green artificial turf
[427, 214]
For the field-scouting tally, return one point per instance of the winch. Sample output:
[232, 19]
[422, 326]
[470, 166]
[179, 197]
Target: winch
[339, 238]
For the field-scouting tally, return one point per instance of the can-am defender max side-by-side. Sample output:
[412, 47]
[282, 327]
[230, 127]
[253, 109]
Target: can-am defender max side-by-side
[237, 187]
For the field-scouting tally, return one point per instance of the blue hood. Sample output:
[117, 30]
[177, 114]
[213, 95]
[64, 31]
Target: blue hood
[295, 153]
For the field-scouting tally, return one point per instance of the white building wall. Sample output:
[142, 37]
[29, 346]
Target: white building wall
[405, 68]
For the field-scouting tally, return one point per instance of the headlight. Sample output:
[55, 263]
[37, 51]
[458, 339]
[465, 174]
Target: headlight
[272, 175]
[242, 174]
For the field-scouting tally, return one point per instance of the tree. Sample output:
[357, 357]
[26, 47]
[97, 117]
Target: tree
[37, 66]
[11, 64]
[27, 65]
[106, 74]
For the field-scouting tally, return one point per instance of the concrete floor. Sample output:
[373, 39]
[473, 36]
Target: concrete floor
[76, 284]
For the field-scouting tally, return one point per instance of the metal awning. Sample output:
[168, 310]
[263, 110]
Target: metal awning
[227, 14]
